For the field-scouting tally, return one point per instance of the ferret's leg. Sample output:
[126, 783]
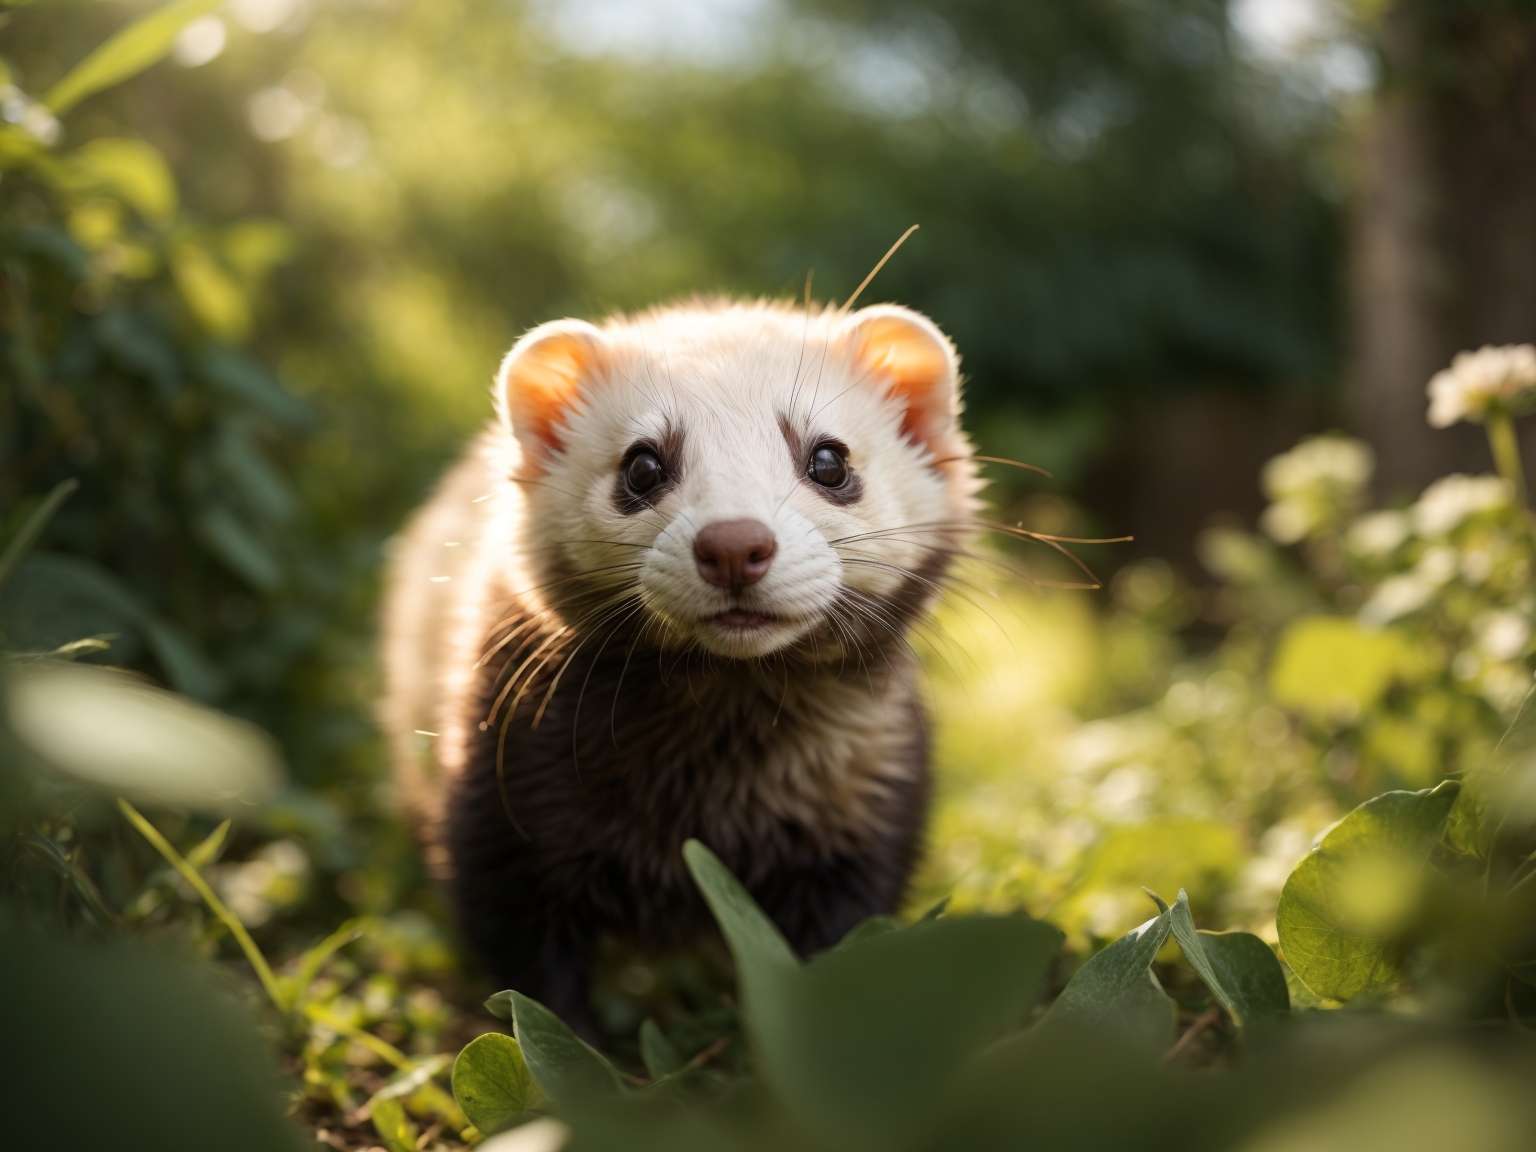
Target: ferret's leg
[527, 944]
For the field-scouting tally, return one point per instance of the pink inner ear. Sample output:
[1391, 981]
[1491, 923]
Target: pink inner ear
[540, 383]
[919, 370]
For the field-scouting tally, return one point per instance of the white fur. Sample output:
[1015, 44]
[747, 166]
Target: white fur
[725, 376]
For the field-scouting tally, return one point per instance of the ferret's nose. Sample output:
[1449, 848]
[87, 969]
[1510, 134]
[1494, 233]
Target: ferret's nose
[731, 554]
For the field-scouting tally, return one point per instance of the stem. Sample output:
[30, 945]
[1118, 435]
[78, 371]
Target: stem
[1506, 452]
[379, 1047]
[215, 905]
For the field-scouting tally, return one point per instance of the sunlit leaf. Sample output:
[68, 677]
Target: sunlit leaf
[1331, 667]
[1346, 900]
[214, 298]
[1239, 968]
[126, 54]
[1116, 990]
[492, 1083]
[394, 1126]
[565, 1066]
[131, 169]
[208, 850]
[116, 731]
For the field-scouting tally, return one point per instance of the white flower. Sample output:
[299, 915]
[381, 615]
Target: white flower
[1451, 499]
[1396, 596]
[1502, 635]
[1378, 534]
[1312, 484]
[1476, 381]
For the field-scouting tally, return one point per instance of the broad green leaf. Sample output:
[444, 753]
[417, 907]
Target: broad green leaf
[132, 170]
[120, 733]
[660, 1057]
[877, 925]
[393, 1125]
[1345, 902]
[1116, 990]
[859, 1041]
[492, 1083]
[1251, 974]
[126, 54]
[863, 1039]
[1332, 667]
[762, 955]
[565, 1066]
[1239, 969]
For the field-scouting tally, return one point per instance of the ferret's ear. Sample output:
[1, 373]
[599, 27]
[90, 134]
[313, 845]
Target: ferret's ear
[542, 377]
[917, 364]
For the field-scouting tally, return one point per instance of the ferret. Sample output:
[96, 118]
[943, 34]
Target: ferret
[667, 593]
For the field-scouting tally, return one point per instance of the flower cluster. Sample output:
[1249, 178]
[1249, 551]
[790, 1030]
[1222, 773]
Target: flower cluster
[1478, 382]
[1315, 485]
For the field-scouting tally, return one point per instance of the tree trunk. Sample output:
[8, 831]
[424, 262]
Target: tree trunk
[1445, 231]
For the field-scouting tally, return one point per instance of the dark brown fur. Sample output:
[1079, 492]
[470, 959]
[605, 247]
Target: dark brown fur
[579, 835]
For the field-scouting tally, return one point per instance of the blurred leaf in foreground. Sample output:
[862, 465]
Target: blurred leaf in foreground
[115, 731]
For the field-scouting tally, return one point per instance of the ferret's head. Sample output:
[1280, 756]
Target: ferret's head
[743, 478]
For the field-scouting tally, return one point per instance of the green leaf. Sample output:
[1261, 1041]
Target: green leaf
[565, 1066]
[762, 954]
[877, 925]
[1116, 990]
[208, 850]
[126, 54]
[864, 1039]
[22, 542]
[132, 170]
[393, 1126]
[242, 379]
[1239, 968]
[500, 1005]
[240, 548]
[660, 1057]
[492, 1083]
[1332, 667]
[1348, 899]
[861, 1040]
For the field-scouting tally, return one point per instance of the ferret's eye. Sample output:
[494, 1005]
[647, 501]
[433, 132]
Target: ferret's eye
[828, 467]
[643, 473]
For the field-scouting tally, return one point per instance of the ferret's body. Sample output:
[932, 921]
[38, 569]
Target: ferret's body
[662, 619]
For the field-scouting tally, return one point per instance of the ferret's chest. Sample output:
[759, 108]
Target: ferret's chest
[625, 765]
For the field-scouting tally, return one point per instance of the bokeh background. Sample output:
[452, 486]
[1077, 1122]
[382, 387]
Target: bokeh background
[252, 298]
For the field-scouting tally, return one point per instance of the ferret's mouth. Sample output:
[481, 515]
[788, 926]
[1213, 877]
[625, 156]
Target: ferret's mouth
[739, 619]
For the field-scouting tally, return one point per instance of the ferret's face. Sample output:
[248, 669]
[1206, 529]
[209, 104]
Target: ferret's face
[741, 478]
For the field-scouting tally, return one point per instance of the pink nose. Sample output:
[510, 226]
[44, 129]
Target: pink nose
[731, 554]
